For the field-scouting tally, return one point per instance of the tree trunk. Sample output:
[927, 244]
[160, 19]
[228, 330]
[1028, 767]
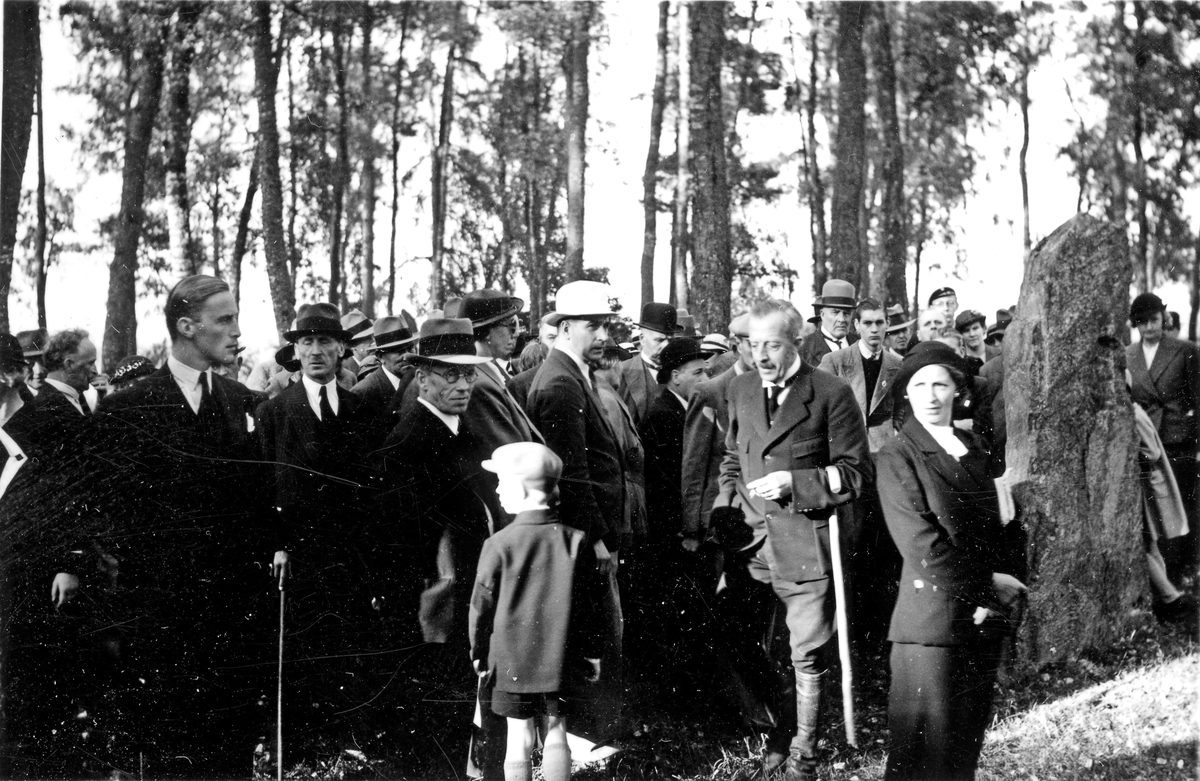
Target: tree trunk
[849, 145]
[816, 197]
[177, 137]
[399, 91]
[39, 244]
[1118, 207]
[712, 271]
[650, 176]
[293, 253]
[266, 76]
[894, 255]
[341, 177]
[575, 64]
[22, 30]
[441, 172]
[241, 238]
[1143, 258]
[679, 229]
[919, 250]
[1072, 452]
[1194, 290]
[120, 323]
[369, 173]
[1026, 238]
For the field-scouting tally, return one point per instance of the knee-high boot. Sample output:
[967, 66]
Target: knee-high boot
[802, 762]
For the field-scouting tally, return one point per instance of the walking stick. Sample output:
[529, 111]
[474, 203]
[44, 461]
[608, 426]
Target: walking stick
[843, 631]
[279, 680]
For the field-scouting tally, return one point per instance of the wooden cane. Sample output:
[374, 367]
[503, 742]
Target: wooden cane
[279, 687]
[843, 631]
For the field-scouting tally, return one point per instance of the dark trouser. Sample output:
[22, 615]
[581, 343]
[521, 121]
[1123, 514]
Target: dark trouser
[1182, 554]
[938, 709]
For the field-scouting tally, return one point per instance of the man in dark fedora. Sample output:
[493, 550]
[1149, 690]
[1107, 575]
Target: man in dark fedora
[187, 488]
[834, 307]
[382, 391]
[361, 331]
[995, 332]
[1165, 381]
[899, 330]
[638, 386]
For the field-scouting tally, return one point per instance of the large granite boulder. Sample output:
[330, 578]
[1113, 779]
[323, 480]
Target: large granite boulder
[1071, 442]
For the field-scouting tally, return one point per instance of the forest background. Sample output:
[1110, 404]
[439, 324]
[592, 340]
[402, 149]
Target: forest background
[384, 155]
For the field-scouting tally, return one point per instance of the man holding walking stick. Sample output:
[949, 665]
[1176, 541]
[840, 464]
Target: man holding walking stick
[796, 449]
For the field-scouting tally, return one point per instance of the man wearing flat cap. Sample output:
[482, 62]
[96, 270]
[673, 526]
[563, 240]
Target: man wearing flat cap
[382, 391]
[946, 300]
[1165, 381]
[187, 487]
[834, 307]
[638, 383]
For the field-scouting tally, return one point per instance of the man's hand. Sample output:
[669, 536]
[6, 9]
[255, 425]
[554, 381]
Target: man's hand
[981, 614]
[606, 563]
[690, 544]
[776, 486]
[63, 589]
[477, 666]
[1007, 588]
[595, 675]
[281, 568]
[966, 424]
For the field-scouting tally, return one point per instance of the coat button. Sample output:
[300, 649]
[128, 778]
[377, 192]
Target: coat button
[769, 516]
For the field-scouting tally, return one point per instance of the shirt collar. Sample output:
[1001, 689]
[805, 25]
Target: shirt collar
[393, 379]
[451, 421]
[185, 374]
[682, 400]
[67, 390]
[582, 364]
[830, 338]
[314, 388]
[944, 437]
[791, 372]
[648, 362]
[862, 349]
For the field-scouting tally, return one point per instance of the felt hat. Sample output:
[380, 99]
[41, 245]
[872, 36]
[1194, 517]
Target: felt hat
[394, 332]
[528, 462]
[941, 292]
[621, 351]
[715, 344]
[925, 354]
[677, 352]
[1144, 306]
[484, 307]
[448, 340]
[33, 343]
[967, 318]
[686, 322]
[357, 325]
[12, 356]
[314, 319]
[582, 300]
[130, 369]
[836, 294]
[740, 326]
[995, 332]
[662, 318]
[896, 319]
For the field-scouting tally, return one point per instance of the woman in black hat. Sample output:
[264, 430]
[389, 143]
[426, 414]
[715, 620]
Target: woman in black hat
[956, 595]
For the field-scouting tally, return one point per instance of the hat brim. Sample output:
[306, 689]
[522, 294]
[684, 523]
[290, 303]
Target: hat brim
[397, 343]
[891, 329]
[457, 360]
[339, 334]
[516, 309]
[664, 374]
[657, 328]
[558, 317]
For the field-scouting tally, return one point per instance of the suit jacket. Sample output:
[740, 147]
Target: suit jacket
[432, 502]
[381, 402]
[1169, 390]
[705, 425]
[519, 385]
[813, 347]
[319, 477]
[569, 414]
[493, 415]
[638, 386]
[944, 517]
[847, 364]
[818, 425]
[662, 437]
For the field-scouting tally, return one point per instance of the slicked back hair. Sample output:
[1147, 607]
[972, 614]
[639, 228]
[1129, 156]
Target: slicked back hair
[867, 305]
[61, 345]
[188, 297]
[770, 306]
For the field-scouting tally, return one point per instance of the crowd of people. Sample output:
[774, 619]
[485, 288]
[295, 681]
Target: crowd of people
[388, 515]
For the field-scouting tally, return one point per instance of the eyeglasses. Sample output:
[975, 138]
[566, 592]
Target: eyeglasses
[454, 375]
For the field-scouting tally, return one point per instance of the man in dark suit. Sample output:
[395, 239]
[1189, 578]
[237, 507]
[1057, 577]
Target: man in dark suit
[899, 330]
[564, 406]
[185, 483]
[638, 385]
[382, 391]
[796, 450]
[833, 306]
[1165, 381]
[872, 561]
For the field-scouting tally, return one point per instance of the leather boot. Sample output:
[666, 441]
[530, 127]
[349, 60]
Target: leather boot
[802, 759]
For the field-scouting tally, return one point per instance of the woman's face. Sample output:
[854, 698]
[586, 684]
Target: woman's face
[931, 394]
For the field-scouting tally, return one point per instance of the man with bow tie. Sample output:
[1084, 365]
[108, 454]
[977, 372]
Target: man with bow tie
[796, 449]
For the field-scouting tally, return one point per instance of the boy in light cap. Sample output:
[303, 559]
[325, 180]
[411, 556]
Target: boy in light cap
[525, 624]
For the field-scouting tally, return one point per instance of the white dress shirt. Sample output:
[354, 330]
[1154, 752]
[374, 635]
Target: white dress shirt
[1149, 351]
[312, 389]
[944, 436]
[188, 380]
[582, 364]
[834, 344]
[393, 379]
[16, 460]
[71, 394]
[451, 421]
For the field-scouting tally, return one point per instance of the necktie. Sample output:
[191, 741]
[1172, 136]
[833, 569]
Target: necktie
[772, 401]
[205, 395]
[326, 410]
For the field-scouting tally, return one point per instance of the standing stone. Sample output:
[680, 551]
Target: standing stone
[1072, 444]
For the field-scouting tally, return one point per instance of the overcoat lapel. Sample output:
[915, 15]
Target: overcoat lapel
[883, 386]
[794, 410]
[852, 370]
[1162, 359]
